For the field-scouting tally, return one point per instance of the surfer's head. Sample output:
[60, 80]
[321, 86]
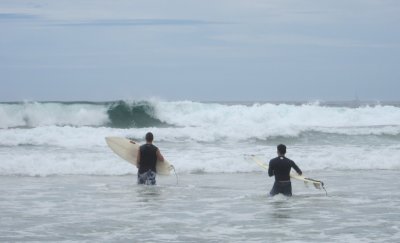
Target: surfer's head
[281, 148]
[149, 137]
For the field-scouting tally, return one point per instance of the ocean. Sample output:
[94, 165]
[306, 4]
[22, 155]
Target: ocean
[60, 182]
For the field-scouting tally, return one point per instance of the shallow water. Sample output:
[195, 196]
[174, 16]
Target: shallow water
[361, 206]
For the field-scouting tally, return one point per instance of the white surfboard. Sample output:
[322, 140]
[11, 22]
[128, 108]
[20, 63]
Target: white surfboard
[317, 183]
[128, 150]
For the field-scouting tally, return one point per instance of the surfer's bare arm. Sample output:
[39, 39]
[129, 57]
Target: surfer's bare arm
[159, 156]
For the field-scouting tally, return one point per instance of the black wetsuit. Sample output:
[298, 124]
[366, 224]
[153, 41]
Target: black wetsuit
[147, 164]
[280, 167]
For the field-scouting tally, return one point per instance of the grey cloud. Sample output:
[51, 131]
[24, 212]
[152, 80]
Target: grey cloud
[139, 22]
[17, 16]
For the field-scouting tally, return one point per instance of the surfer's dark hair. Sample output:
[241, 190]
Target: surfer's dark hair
[281, 149]
[149, 137]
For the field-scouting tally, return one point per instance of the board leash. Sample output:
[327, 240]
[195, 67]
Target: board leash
[176, 175]
[323, 187]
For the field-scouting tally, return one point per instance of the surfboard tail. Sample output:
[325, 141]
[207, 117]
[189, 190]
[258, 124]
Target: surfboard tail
[318, 184]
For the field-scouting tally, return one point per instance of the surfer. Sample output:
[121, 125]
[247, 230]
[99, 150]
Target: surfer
[146, 160]
[280, 167]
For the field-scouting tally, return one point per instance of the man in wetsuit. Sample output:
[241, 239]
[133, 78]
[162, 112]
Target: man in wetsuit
[147, 160]
[280, 167]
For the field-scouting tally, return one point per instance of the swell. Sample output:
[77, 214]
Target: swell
[138, 114]
[223, 119]
[117, 114]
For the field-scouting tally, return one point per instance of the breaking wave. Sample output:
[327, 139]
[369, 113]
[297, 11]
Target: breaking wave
[120, 114]
[53, 138]
[207, 121]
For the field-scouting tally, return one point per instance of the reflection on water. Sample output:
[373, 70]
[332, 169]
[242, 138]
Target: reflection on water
[148, 193]
[281, 207]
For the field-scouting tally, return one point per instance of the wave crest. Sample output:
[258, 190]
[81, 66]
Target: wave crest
[195, 119]
[138, 114]
[119, 114]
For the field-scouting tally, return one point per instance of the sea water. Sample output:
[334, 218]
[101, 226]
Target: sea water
[60, 182]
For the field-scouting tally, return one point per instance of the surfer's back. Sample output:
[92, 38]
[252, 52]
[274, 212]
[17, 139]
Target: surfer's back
[280, 167]
[148, 158]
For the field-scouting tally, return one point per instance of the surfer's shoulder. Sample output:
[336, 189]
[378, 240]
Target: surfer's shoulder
[274, 160]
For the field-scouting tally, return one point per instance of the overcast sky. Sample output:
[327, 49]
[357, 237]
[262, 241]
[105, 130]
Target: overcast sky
[201, 50]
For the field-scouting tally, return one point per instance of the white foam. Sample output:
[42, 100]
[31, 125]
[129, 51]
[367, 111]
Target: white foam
[57, 161]
[82, 150]
[206, 138]
[210, 122]
[187, 113]
[36, 114]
